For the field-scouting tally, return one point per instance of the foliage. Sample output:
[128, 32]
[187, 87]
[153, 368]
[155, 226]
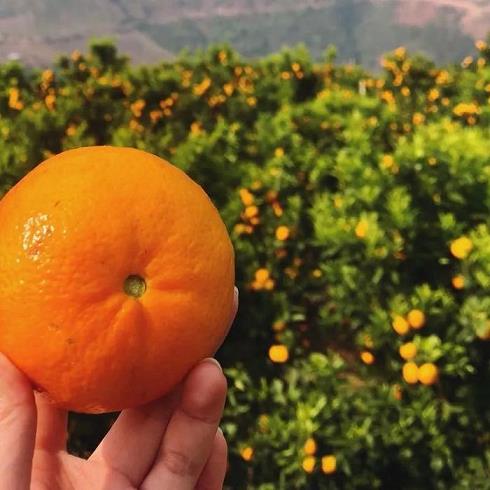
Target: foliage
[359, 210]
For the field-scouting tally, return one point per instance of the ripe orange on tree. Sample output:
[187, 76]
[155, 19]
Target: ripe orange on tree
[416, 318]
[116, 277]
[278, 353]
[400, 325]
[408, 351]
[428, 373]
[410, 372]
[309, 446]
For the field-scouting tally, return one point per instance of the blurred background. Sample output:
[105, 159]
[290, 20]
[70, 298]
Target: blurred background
[35, 31]
[346, 144]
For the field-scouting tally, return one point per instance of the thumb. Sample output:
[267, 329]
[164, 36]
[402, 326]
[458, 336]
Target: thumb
[17, 427]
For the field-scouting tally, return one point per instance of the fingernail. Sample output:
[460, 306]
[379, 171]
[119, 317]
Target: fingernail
[213, 361]
[237, 293]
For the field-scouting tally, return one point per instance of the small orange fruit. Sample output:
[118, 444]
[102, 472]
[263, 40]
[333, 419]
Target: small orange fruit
[410, 372]
[400, 325]
[247, 197]
[397, 392]
[282, 233]
[278, 353]
[361, 228]
[310, 446]
[416, 318]
[251, 211]
[461, 247]
[408, 351]
[247, 453]
[367, 357]
[116, 277]
[264, 422]
[279, 152]
[261, 275]
[458, 282]
[308, 464]
[428, 373]
[329, 464]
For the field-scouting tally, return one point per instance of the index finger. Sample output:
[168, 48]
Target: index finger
[51, 433]
[17, 427]
[191, 431]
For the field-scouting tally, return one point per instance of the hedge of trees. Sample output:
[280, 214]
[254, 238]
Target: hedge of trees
[358, 205]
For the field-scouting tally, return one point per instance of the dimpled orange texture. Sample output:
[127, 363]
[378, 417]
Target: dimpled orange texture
[71, 234]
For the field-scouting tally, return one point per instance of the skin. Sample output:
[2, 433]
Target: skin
[174, 442]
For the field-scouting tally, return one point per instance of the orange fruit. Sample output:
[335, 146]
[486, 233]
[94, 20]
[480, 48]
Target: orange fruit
[361, 229]
[416, 318]
[282, 233]
[116, 277]
[367, 357]
[261, 275]
[329, 464]
[247, 453]
[410, 372]
[308, 464]
[397, 392]
[461, 247]
[309, 446]
[408, 351]
[251, 211]
[247, 197]
[428, 373]
[458, 282]
[278, 353]
[400, 325]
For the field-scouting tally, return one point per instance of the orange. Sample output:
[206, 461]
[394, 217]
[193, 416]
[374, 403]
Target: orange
[278, 353]
[247, 197]
[251, 211]
[282, 233]
[361, 229]
[458, 282]
[410, 372]
[309, 446]
[397, 392]
[461, 247]
[367, 357]
[408, 351]
[116, 277]
[329, 464]
[416, 318]
[308, 464]
[247, 453]
[428, 373]
[261, 275]
[400, 325]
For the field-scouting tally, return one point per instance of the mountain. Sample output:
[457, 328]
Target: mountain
[149, 30]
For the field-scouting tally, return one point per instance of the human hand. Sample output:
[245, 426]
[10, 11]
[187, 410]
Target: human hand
[173, 443]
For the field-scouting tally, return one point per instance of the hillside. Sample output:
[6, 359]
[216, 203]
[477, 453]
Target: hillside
[149, 30]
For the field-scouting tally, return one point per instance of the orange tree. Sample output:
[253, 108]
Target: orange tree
[358, 206]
